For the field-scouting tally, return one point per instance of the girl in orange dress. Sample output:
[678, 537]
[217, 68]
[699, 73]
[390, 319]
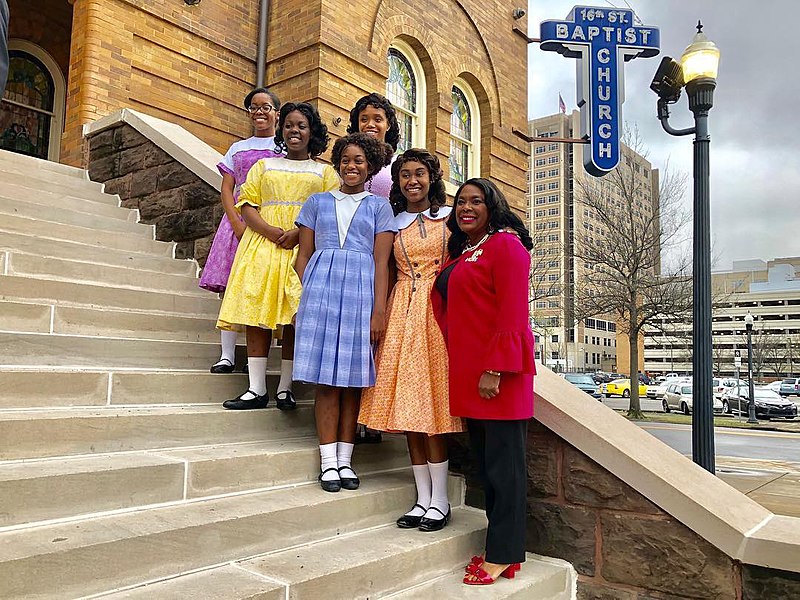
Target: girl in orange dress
[411, 388]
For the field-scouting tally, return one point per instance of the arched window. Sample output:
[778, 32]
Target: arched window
[405, 89]
[464, 135]
[32, 107]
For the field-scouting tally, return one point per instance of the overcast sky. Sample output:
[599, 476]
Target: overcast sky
[755, 122]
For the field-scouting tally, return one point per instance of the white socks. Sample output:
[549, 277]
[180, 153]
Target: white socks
[328, 460]
[344, 454]
[257, 372]
[439, 489]
[228, 343]
[285, 384]
[422, 477]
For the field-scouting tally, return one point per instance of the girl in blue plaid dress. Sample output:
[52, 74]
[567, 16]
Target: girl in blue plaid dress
[346, 239]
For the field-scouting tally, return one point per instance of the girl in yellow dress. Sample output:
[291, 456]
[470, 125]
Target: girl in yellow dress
[411, 388]
[263, 289]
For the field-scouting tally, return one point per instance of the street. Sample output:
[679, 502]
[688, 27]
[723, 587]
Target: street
[765, 445]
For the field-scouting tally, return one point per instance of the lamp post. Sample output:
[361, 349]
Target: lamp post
[751, 404]
[697, 71]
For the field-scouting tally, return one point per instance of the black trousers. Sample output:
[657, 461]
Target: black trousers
[499, 447]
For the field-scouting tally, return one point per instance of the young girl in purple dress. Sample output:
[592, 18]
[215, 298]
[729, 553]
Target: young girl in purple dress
[345, 242]
[263, 105]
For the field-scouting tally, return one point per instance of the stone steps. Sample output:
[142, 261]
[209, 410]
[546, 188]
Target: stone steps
[18, 196]
[50, 318]
[55, 269]
[76, 293]
[72, 250]
[37, 168]
[56, 187]
[43, 229]
[104, 553]
[45, 489]
[85, 431]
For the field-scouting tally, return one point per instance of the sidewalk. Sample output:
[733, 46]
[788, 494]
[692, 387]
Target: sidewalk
[775, 485]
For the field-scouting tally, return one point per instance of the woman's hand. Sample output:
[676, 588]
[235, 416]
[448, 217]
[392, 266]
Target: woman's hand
[489, 385]
[376, 326]
[273, 234]
[239, 228]
[289, 239]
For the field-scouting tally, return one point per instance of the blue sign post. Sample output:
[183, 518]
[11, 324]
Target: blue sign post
[602, 40]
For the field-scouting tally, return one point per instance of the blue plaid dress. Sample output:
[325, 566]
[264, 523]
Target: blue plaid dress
[332, 344]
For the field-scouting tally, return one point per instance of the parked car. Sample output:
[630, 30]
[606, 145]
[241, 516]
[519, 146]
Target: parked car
[656, 392]
[585, 382]
[775, 386]
[723, 384]
[768, 403]
[790, 387]
[601, 377]
[622, 387]
[678, 396]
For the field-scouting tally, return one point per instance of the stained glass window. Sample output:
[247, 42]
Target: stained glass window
[401, 90]
[460, 138]
[26, 112]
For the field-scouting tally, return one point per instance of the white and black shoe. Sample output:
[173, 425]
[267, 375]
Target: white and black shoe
[247, 401]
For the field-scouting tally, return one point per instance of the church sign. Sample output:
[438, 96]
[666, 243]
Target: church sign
[602, 40]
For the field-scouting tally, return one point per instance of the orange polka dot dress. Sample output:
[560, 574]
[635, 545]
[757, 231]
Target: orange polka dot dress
[411, 388]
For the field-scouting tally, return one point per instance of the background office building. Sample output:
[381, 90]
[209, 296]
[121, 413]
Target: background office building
[557, 217]
[770, 291]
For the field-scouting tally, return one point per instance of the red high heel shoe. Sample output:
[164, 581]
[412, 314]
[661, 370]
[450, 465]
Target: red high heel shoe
[481, 577]
[477, 561]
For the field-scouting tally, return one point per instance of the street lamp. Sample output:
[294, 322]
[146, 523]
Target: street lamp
[751, 405]
[697, 71]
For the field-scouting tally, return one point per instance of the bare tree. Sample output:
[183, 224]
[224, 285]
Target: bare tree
[777, 353]
[760, 341]
[627, 230]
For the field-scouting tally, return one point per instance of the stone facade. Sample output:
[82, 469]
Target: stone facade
[183, 207]
[622, 545]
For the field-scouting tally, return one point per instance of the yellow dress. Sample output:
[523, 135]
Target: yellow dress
[263, 289]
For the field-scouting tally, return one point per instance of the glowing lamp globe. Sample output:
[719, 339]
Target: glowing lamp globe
[701, 58]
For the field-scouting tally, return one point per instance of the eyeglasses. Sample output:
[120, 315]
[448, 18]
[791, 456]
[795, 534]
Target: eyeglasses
[264, 108]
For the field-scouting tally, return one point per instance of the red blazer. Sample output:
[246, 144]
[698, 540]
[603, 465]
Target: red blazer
[485, 326]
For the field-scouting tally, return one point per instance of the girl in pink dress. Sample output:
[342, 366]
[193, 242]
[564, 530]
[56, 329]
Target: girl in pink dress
[263, 105]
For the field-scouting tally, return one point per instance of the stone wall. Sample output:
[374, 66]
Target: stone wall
[184, 208]
[623, 546]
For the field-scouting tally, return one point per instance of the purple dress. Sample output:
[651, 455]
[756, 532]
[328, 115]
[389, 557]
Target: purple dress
[332, 344]
[237, 162]
[381, 182]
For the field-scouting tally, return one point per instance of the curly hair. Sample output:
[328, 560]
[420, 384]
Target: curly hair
[276, 102]
[436, 193]
[378, 154]
[377, 101]
[500, 217]
[318, 141]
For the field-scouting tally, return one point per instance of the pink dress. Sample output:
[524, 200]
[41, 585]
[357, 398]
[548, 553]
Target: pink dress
[381, 182]
[237, 162]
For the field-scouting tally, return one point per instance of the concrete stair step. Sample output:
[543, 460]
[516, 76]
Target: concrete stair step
[71, 250]
[92, 352]
[72, 293]
[27, 193]
[38, 490]
[371, 564]
[94, 555]
[39, 227]
[56, 187]
[36, 388]
[85, 431]
[540, 578]
[74, 216]
[55, 269]
[13, 162]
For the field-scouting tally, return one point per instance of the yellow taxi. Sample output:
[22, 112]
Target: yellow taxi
[622, 387]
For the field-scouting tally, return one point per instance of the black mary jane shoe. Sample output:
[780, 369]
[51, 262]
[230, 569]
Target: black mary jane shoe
[334, 485]
[411, 521]
[222, 366]
[426, 524]
[285, 400]
[349, 483]
[249, 404]
[364, 435]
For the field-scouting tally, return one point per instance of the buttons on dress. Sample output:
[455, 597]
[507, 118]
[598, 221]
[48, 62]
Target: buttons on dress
[419, 275]
[416, 265]
[436, 262]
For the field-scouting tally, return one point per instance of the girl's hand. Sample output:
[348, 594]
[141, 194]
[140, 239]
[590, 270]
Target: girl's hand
[238, 228]
[376, 326]
[289, 239]
[273, 234]
[489, 385]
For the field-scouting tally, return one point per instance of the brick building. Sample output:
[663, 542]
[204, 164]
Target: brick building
[456, 69]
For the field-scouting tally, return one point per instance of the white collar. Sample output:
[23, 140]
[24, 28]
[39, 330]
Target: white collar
[340, 195]
[404, 219]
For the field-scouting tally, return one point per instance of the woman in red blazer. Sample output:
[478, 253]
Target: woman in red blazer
[480, 301]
